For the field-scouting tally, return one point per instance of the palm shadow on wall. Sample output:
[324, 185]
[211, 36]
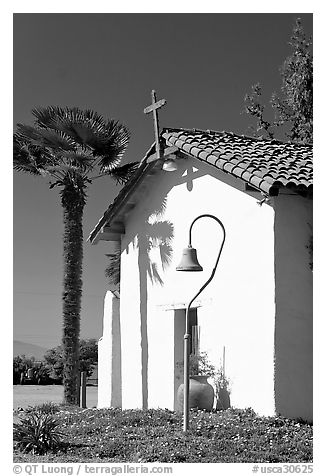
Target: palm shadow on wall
[156, 234]
[151, 234]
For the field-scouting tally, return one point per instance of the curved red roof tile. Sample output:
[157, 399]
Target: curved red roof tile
[260, 162]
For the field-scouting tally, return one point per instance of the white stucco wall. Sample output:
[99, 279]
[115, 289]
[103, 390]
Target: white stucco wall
[237, 309]
[294, 326]
[109, 355]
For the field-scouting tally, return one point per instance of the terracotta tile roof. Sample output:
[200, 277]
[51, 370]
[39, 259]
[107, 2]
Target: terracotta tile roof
[262, 163]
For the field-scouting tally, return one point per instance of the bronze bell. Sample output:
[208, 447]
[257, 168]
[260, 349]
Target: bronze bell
[189, 261]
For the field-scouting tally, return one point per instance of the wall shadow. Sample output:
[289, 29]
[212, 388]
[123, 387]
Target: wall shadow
[152, 232]
[153, 235]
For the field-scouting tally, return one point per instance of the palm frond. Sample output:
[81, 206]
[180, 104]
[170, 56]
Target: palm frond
[57, 118]
[45, 138]
[87, 128]
[71, 139]
[48, 117]
[84, 134]
[95, 120]
[80, 160]
[29, 158]
[69, 122]
[112, 143]
[107, 139]
[122, 174]
[22, 162]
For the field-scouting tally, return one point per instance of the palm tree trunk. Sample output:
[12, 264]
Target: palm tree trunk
[73, 202]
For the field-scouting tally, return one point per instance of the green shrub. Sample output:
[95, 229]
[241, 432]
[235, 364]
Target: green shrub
[46, 407]
[37, 433]
[136, 436]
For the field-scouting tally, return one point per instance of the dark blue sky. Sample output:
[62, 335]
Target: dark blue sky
[202, 64]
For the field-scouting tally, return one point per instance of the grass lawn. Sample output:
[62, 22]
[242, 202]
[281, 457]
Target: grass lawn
[29, 395]
[135, 436]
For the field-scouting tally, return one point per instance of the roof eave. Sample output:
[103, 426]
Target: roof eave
[149, 161]
[122, 196]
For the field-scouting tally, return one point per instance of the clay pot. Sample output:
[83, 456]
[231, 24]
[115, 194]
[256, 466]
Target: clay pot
[201, 394]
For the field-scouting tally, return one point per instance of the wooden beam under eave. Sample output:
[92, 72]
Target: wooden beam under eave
[108, 236]
[115, 227]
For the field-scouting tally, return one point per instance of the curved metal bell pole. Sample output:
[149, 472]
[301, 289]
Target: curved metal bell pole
[218, 257]
[187, 334]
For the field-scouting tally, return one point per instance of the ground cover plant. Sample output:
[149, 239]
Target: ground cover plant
[136, 436]
[37, 433]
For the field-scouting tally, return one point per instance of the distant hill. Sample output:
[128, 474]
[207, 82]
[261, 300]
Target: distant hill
[29, 350]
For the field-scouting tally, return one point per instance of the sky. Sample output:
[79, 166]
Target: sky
[202, 64]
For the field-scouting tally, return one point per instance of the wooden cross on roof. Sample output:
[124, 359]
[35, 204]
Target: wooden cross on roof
[153, 108]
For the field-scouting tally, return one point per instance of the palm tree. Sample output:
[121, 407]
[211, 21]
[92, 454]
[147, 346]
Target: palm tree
[71, 147]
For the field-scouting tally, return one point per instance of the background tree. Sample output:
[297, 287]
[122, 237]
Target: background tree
[54, 358]
[71, 147]
[293, 109]
[54, 362]
[21, 364]
[88, 355]
[42, 374]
